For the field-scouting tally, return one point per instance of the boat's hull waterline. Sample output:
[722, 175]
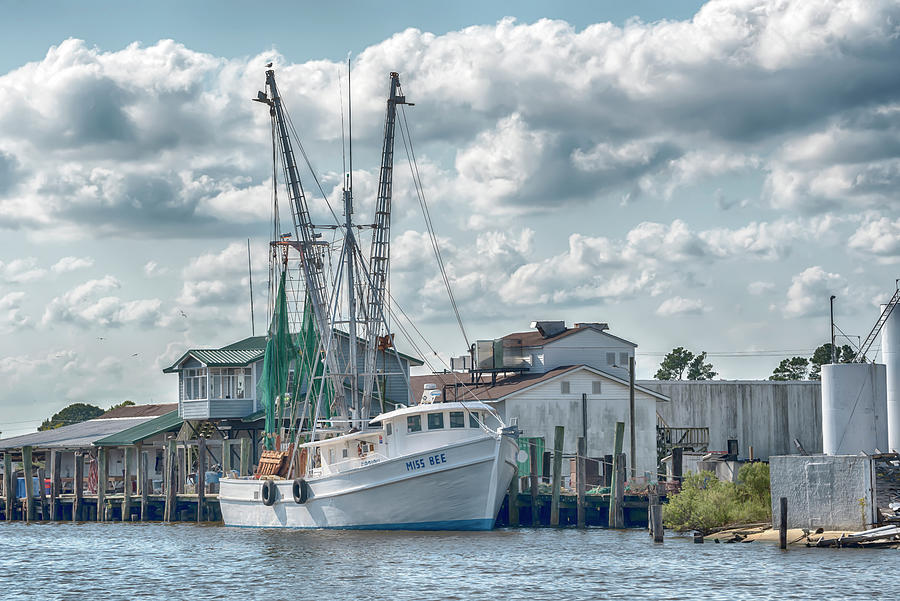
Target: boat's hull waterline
[456, 487]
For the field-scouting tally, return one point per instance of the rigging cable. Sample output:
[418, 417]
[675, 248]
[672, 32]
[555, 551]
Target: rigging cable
[420, 192]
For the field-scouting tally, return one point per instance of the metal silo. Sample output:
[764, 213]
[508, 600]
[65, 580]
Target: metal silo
[890, 352]
[854, 408]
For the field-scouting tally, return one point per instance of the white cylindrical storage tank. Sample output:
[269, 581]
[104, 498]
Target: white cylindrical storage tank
[890, 353]
[854, 408]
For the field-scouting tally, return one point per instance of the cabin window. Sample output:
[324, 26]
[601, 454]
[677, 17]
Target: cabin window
[344, 453]
[564, 387]
[231, 382]
[473, 419]
[194, 384]
[610, 358]
[389, 429]
[595, 387]
[331, 455]
[435, 421]
[623, 360]
[413, 423]
[457, 419]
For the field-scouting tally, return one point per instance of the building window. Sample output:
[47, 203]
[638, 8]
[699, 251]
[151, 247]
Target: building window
[564, 387]
[231, 382]
[435, 421]
[595, 387]
[457, 419]
[623, 360]
[610, 358]
[194, 384]
[413, 423]
[473, 419]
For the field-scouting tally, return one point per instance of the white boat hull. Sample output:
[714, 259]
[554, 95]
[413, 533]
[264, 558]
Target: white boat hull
[455, 487]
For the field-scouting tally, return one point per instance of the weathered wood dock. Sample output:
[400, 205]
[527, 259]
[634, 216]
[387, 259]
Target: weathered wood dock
[115, 508]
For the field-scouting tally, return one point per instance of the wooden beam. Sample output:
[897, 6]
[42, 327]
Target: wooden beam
[143, 482]
[102, 481]
[28, 473]
[9, 490]
[558, 435]
[580, 477]
[619, 498]
[245, 457]
[128, 471]
[78, 504]
[55, 483]
[782, 526]
[201, 479]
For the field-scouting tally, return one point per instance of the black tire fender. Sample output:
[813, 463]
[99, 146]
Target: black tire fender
[300, 490]
[269, 492]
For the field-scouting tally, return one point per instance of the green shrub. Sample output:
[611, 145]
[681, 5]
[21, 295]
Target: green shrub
[705, 503]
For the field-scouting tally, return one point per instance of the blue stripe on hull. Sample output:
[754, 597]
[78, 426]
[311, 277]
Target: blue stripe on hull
[479, 524]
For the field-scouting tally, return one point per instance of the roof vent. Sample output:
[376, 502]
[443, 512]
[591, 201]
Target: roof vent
[593, 324]
[548, 329]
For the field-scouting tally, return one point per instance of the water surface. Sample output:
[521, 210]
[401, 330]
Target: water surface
[182, 561]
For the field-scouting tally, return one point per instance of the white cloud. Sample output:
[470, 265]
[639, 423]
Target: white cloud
[879, 237]
[809, 292]
[678, 305]
[84, 306]
[21, 270]
[67, 264]
[760, 288]
[153, 269]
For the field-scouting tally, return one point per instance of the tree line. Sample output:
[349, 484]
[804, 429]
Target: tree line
[682, 364]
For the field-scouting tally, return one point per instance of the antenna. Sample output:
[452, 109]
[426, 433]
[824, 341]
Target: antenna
[349, 123]
[250, 273]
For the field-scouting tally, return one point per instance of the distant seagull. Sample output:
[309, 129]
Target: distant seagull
[183, 314]
[135, 355]
[100, 338]
[268, 65]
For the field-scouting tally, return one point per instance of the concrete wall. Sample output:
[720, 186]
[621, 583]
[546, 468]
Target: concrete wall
[767, 415]
[543, 407]
[823, 491]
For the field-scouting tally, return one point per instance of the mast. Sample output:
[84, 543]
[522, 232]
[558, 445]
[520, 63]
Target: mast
[312, 258]
[380, 252]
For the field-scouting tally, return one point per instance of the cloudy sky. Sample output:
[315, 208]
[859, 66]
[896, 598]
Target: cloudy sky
[703, 175]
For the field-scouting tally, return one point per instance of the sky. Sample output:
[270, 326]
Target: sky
[695, 174]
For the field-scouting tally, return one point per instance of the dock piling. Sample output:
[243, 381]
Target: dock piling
[201, 478]
[55, 483]
[513, 500]
[43, 495]
[782, 528]
[78, 503]
[102, 481]
[245, 457]
[558, 435]
[28, 473]
[128, 469]
[533, 481]
[143, 483]
[8, 490]
[169, 479]
[580, 481]
[616, 519]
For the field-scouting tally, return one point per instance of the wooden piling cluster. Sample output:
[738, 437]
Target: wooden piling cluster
[45, 501]
[557, 509]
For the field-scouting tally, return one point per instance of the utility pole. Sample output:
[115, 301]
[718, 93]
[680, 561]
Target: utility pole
[631, 427]
[833, 354]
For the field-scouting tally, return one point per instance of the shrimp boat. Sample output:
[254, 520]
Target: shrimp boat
[340, 452]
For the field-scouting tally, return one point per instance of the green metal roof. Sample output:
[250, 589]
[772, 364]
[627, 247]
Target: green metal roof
[219, 358]
[253, 342]
[135, 434]
[254, 416]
